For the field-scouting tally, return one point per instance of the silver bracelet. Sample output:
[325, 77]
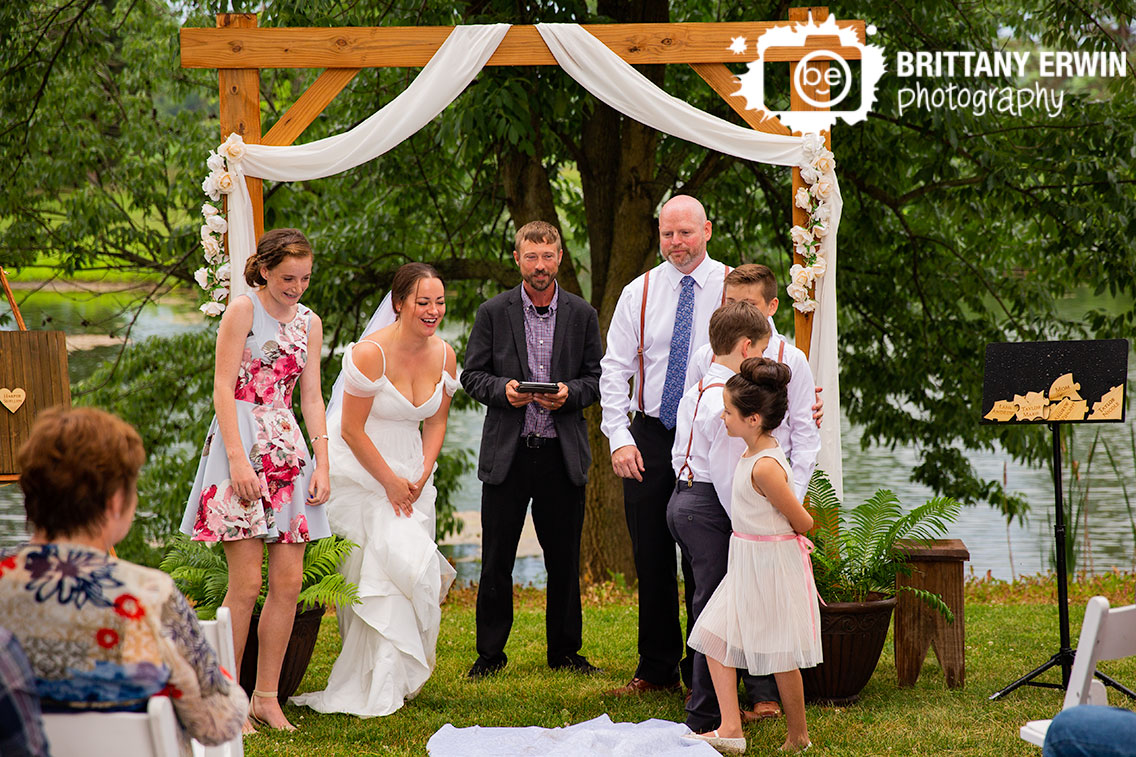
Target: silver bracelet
[315, 439]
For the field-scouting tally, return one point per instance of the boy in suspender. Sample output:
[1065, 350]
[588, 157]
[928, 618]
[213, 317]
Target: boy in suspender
[698, 514]
[797, 434]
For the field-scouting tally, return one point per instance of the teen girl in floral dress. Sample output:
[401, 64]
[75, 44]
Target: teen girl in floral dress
[256, 482]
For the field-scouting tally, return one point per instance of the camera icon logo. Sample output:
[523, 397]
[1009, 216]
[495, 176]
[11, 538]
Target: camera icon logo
[835, 82]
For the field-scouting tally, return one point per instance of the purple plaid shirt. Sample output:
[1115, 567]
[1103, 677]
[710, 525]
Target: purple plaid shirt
[21, 729]
[538, 342]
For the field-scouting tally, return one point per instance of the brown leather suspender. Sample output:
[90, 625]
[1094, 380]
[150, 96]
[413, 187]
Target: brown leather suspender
[643, 329]
[690, 441]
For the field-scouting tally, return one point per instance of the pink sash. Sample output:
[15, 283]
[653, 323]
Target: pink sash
[806, 550]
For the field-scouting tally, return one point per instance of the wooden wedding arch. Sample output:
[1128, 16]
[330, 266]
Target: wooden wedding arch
[238, 49]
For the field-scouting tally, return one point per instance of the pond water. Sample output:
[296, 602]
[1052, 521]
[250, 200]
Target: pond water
[996, 548]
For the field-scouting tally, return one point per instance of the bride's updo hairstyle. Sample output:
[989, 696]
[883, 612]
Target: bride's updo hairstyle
[761, 387]
[271, 250]
[405, 282]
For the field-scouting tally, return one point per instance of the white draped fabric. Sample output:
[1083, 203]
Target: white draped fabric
[607, 77]
[446, 76]
[598, 737]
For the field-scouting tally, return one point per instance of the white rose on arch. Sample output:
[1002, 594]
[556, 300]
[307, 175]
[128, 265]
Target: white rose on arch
[802, 199]
[220, 294]
[822, 212]
[208, 210]
[806, 306]
[820, 230]
[233, 148]
[213, 308]
[210, 188]
[810, 175]
[201, 276]
[797, 292]
[819, 267]
[801, 276]
[211, 245]
[224, 182]
[825, 162]
[823, 189]
[215, 163]
[812, 143]
[217, 224]
[801, 235]
[223, 273]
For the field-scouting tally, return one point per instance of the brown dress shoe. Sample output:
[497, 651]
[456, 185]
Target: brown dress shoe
[639, 686]
[761, 711]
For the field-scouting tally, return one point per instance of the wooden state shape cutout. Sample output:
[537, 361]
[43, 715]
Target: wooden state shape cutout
[1110, 406]
[1002, 411]
[1032, 406]
[1069, 409]
[12, 399]
[1062, 387]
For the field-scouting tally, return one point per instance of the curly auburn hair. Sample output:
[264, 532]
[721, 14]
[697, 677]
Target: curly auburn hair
[72, 464]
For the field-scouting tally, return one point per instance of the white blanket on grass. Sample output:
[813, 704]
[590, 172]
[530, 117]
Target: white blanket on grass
[598, 737]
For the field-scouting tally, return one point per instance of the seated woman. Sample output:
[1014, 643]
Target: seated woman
[102, 633]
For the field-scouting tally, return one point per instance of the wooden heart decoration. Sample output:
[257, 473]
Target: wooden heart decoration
[12, 399]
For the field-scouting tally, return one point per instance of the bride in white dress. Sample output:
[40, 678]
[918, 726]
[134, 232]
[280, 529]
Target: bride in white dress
[383, 495]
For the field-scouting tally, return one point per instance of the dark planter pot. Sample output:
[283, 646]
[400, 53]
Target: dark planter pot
[302, 643]
[852, 636]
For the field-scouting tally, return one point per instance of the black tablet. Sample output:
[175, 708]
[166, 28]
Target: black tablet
[537, 387]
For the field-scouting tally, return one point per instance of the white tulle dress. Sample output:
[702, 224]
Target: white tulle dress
[389, 639]
[764, 616]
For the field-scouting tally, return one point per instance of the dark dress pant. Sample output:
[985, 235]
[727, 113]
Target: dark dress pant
[645, 505]
[558, 515]
[702, 529]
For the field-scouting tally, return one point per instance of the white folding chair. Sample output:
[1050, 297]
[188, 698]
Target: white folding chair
[219, 634]
[1106, 634]
[153, 733]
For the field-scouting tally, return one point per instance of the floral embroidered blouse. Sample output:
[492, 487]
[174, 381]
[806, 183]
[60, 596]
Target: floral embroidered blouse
[106, 634]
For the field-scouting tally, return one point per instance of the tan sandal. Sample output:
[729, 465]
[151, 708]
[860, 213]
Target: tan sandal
[261, 721]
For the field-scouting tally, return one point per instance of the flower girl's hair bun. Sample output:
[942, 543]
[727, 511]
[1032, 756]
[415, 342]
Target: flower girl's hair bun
[765, 372]
[761, 387]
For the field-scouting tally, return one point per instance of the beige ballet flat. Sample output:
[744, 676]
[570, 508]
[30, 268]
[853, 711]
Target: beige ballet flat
[722, 744]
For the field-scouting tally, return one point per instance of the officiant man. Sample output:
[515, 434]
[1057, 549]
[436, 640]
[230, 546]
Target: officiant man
[534, 445]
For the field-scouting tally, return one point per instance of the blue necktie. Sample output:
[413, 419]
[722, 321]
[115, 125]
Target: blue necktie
[675, 382]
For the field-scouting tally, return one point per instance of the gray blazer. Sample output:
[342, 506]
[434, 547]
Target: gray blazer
[496, 353]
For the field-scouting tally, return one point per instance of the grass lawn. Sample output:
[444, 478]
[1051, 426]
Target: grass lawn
[1010, 629]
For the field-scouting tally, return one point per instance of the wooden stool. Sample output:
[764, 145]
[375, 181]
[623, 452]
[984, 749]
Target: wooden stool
[936, 567]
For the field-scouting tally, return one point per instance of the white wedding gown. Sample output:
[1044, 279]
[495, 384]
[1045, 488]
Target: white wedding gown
[390, 637]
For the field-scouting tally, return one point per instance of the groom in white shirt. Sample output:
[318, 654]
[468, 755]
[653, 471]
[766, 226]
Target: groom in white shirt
[660, 319]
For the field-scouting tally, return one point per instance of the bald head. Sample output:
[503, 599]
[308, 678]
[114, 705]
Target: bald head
[684, 204]
[683, 232]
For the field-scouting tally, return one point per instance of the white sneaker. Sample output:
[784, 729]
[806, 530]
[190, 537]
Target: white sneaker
[722, 744]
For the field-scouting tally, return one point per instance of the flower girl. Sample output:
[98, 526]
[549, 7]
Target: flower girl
[763, 616]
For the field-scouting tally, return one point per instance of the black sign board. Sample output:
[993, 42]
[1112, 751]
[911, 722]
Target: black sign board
[1055, 382]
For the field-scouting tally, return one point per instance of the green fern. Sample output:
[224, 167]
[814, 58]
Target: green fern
[856, 554]
[201, 573]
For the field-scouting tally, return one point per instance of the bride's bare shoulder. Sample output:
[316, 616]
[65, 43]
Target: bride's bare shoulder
[450, 362]
[367, 355]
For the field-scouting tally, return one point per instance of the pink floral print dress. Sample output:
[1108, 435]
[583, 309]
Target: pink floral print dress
[274, 357]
